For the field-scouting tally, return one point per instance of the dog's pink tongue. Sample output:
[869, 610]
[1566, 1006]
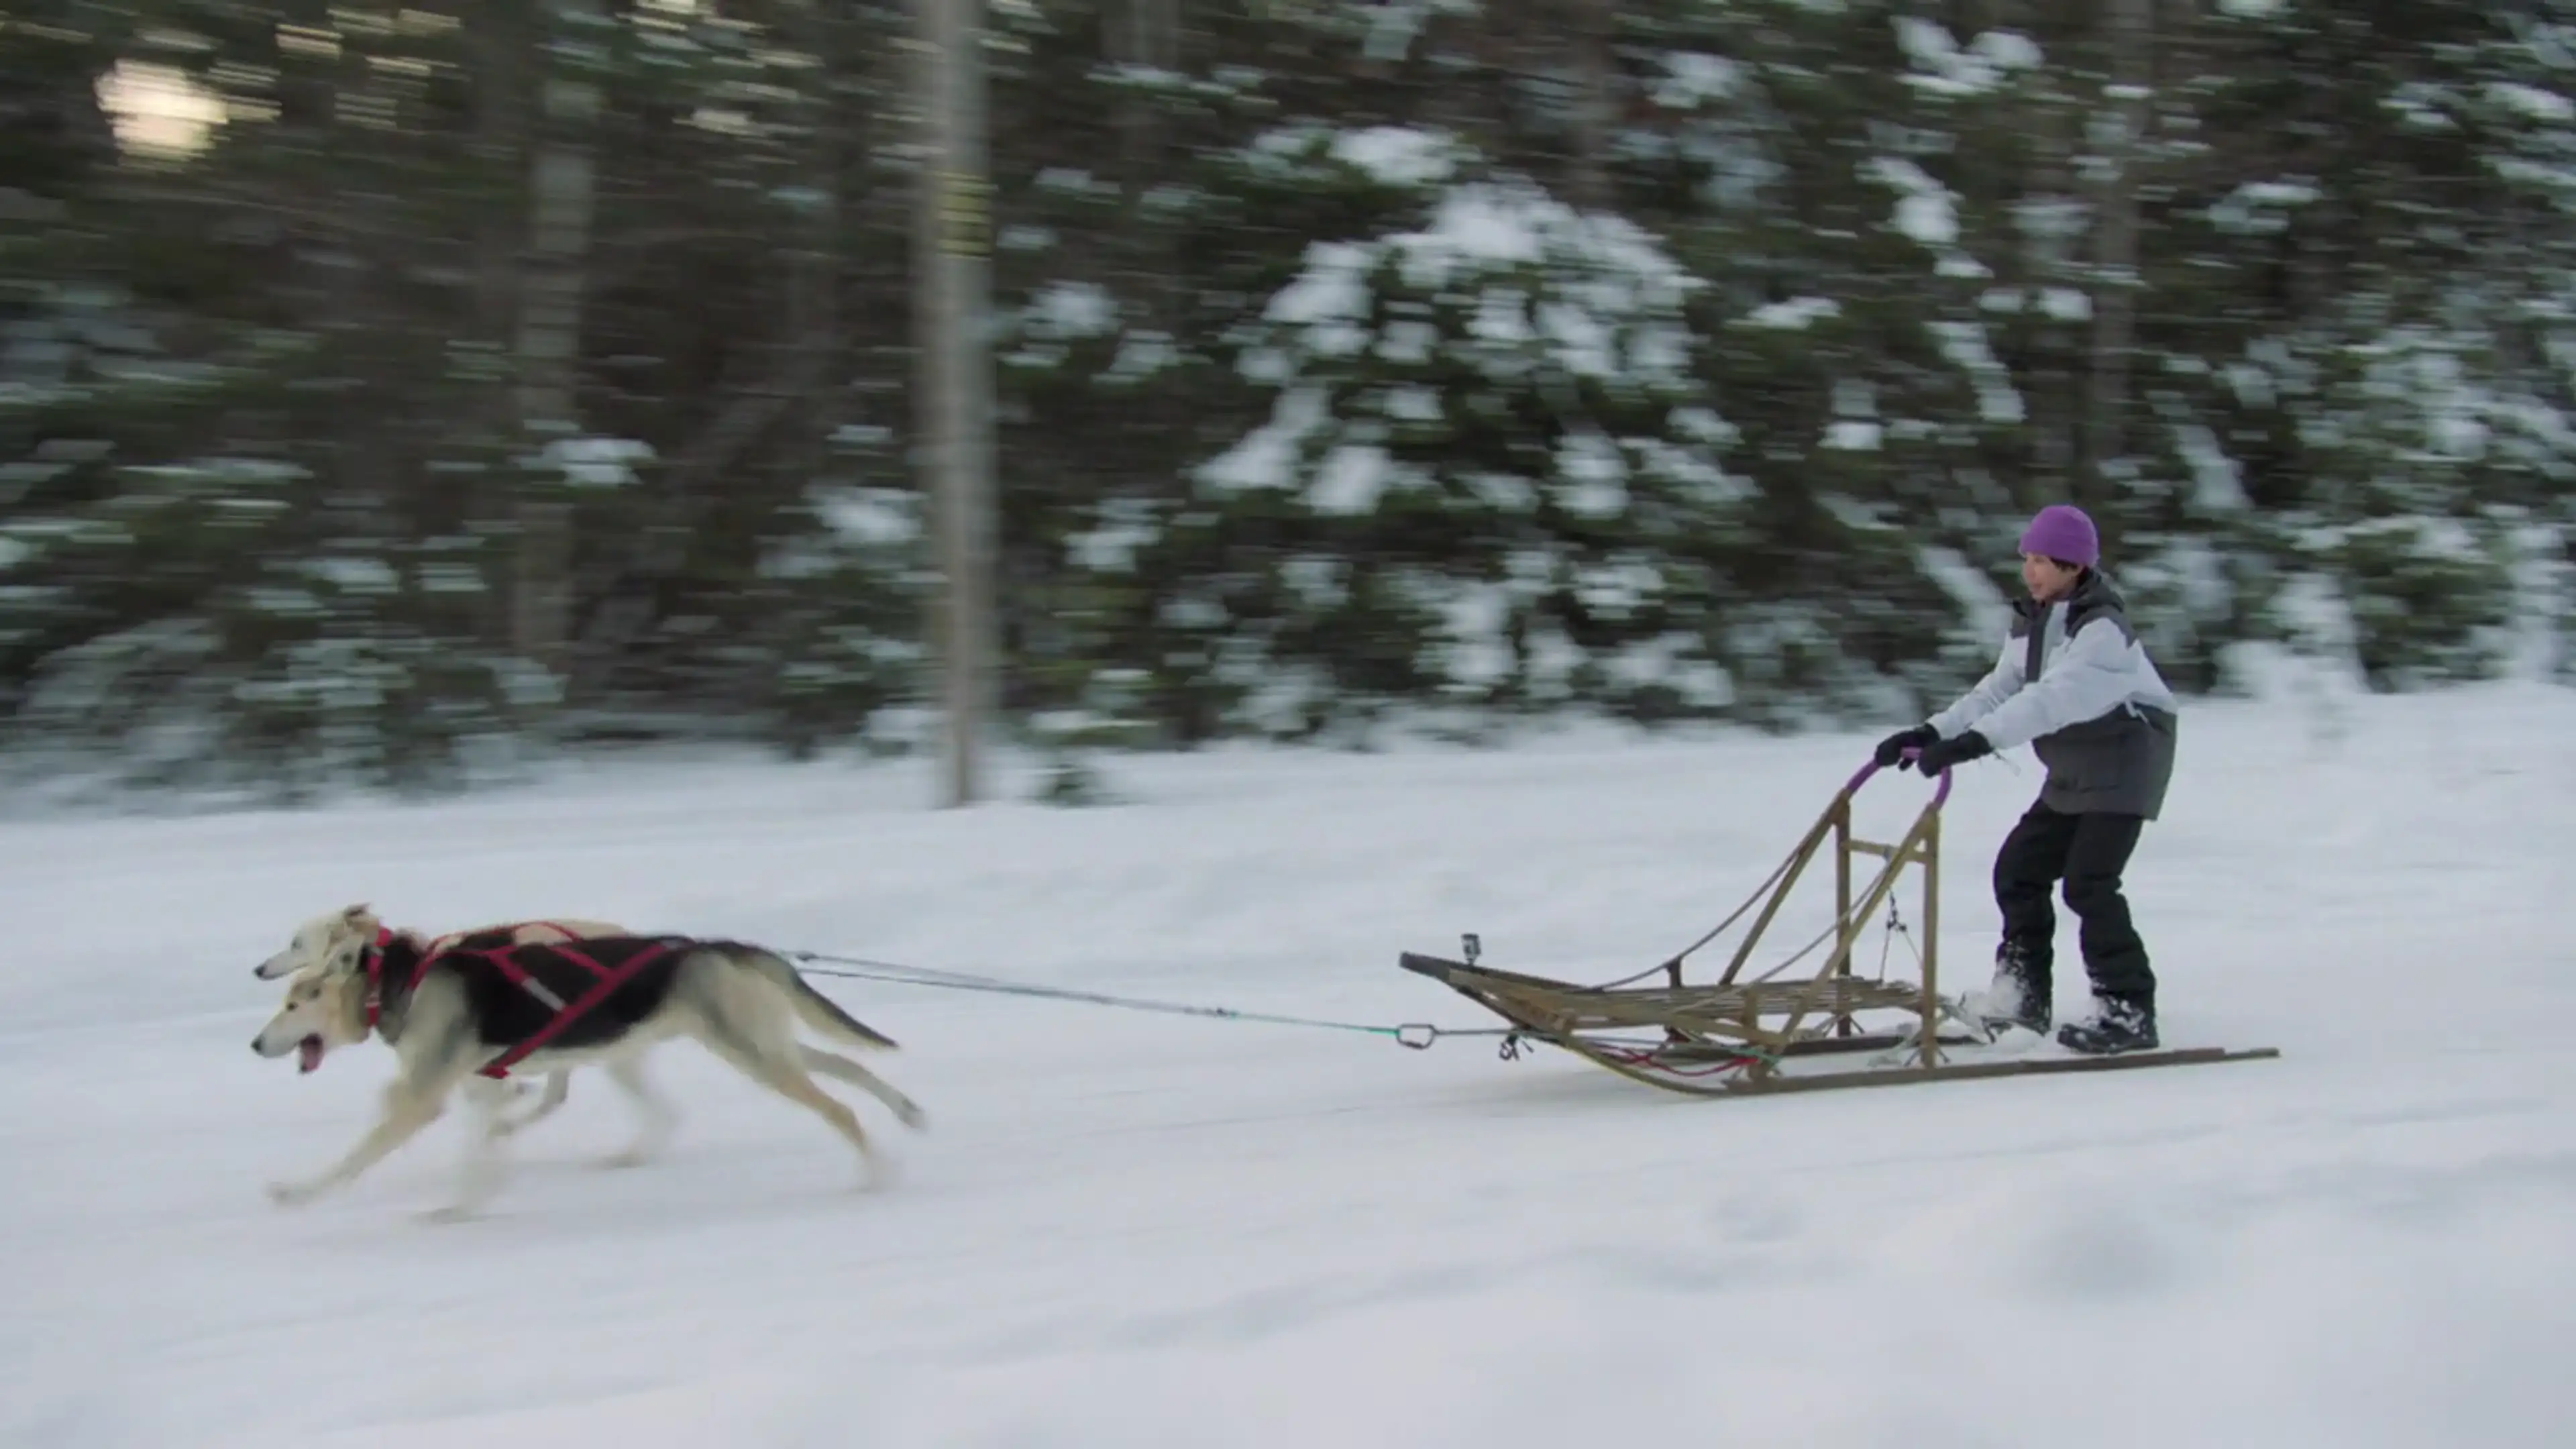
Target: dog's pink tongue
[308, 1054]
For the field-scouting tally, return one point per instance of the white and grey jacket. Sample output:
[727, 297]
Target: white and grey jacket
[2081, 691]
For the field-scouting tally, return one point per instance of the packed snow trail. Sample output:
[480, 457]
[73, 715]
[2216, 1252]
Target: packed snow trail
[1126, 1229]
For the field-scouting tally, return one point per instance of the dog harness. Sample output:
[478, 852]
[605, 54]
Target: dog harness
[605, 981]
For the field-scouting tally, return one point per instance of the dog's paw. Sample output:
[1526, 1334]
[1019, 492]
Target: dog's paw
[620, 1161]
[292, 1194]
[909, 1113]
[455, 1212]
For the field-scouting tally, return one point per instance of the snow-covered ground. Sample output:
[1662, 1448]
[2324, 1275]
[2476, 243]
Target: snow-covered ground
[1134, 1230]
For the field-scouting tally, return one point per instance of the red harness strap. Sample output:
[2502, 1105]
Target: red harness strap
[374, 961]
[609, 979]
[605, 981]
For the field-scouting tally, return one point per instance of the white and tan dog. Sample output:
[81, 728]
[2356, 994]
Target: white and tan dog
[449, 1015]
[337, 939]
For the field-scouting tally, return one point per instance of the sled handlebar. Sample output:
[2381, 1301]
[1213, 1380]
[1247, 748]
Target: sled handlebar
[1871, 768]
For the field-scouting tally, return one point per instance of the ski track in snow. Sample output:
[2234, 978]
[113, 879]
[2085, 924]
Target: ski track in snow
[1133, 1230]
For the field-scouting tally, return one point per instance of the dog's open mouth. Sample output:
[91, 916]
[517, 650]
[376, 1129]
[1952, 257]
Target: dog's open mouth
[308, 1053]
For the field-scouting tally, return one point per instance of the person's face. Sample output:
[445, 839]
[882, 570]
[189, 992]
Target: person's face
[2046, 578]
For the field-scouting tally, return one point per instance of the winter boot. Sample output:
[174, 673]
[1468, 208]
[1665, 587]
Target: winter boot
[2019, 994]
[2119, 1024]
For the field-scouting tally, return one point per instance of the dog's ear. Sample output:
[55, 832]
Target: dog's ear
[354, 914]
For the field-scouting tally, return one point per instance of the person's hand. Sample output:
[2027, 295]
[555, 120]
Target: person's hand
[1893, 748]
[1942, 754]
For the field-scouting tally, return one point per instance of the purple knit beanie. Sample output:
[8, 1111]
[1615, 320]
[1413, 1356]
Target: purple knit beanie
[2062, 532]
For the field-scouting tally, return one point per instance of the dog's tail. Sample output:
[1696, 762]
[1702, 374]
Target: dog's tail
[813, 1008]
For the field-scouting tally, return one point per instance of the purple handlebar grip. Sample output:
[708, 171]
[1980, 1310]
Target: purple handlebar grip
[1871, 768]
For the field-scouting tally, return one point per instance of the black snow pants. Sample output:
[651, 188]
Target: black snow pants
[2088, 852]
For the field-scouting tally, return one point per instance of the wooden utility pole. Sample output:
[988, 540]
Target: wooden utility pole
[952, 238]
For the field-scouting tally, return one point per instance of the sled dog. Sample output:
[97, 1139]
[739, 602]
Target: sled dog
[337, 938]
[456, 1017]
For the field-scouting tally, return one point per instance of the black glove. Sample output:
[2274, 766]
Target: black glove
[1942, 754]
[1893, 748]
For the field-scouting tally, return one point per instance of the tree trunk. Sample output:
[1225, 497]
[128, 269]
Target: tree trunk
[1143, 33]
[501, 53]
[1595, 24]
[549, 343]
[953, 244]
[2131, 49]
[813, 321]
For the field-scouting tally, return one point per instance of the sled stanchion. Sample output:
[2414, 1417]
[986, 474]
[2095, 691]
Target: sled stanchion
[1749, 1035]
[1842, 886]
[1931, 1028]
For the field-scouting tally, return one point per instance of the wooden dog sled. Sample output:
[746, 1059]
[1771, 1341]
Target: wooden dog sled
[1742, 1035]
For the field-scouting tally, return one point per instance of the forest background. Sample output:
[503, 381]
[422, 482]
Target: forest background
[391, 392]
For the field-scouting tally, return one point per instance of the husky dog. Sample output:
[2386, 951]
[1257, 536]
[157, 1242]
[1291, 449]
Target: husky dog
[336, 939]
[455, 1018]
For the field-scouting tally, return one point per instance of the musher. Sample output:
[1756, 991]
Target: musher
[2075, 684]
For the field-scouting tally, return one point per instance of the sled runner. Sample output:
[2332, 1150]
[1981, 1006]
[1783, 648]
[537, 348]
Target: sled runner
[1771, 1032]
